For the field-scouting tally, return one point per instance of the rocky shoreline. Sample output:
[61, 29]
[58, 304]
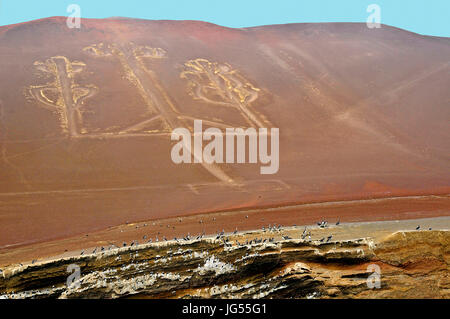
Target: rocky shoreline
[411, 264]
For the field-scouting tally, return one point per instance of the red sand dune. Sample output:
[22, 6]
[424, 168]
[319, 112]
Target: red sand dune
[85, 118]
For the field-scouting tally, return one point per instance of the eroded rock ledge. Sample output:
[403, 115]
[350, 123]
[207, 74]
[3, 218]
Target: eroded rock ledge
[413, 265]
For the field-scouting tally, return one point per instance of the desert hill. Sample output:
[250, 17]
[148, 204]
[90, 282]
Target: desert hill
[86, 116]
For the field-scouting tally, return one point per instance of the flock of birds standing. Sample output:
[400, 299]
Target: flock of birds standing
[221, 235]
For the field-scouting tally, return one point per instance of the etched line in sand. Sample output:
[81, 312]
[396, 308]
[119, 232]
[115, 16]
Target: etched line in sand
[352, 118]
[140, 125]
[192, 187]
[5, 157]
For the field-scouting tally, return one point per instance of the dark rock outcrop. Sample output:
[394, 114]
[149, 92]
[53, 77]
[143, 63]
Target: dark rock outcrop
[410, 265]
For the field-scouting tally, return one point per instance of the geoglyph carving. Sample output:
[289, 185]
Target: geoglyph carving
[219, 84]
[63, 94]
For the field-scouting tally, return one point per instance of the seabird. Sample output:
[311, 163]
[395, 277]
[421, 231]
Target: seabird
[329, 238]
[322, 240]
[418, 227]
[338, 222]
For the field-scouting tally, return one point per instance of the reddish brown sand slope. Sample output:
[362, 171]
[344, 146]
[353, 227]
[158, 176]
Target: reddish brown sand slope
[405, 208]
[85, 116]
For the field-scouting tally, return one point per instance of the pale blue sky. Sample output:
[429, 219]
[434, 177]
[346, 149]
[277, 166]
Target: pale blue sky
[430, 17]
